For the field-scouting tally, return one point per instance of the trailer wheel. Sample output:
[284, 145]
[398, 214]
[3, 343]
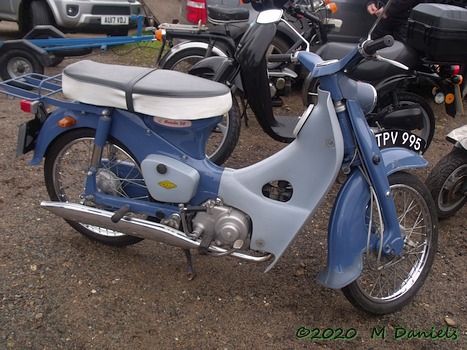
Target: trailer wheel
[16, 62]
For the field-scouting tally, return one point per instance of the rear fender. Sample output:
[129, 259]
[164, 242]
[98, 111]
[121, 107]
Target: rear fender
[25, 45]
[186, 45]
[130, 124]
[220, 69]
[347, 235]
[393, 82]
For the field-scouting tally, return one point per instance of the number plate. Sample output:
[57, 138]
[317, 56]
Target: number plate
[115, 20]
[400, 138]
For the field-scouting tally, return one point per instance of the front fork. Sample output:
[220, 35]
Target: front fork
[391, 241]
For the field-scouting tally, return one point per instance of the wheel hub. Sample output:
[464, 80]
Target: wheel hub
[108, 183]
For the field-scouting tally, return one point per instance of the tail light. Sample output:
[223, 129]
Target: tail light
[29, 106]
[196, 11]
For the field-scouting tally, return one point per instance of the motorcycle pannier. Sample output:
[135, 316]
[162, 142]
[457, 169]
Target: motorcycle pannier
[439, 31]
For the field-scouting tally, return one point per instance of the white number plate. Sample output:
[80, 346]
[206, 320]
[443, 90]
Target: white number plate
[115, 20]
[400, 138]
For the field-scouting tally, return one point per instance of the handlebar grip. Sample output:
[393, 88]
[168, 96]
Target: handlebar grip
[371, 46]
[280, 57]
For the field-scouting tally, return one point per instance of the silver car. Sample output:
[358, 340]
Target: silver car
[103, 16]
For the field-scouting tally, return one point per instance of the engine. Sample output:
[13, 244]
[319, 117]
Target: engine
[223, 225]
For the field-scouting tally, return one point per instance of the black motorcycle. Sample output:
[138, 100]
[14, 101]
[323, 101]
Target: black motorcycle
[257, 63]
[424, 64]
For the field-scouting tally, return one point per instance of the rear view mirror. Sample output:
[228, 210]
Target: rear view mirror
[269, 16]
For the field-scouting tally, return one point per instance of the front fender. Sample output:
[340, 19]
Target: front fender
[347, 234]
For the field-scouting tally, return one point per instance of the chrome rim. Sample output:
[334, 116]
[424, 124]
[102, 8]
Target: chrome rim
[388, 278]
[71, 166]
[450, 195]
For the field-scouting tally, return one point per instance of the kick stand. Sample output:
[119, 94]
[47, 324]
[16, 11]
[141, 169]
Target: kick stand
[191, 269]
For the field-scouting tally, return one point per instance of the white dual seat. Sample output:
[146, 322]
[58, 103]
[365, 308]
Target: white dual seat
[155, 92]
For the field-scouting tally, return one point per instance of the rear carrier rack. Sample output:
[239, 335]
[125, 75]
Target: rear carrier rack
[34, 87]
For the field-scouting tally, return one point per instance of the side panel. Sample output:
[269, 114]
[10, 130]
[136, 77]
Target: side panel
[310, 164]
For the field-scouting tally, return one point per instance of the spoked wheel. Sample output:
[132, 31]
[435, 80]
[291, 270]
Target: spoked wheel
[65, 170]
[224, 138]
[388, 283]
[447, 183]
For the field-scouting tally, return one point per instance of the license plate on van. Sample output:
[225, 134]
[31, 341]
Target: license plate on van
[400, 138]
[115, 20]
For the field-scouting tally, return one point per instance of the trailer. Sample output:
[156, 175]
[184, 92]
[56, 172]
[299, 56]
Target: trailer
[46, 46]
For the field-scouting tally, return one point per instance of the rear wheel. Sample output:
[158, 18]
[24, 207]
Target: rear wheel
[448, 183]
[224, 138]
[65, 169]
[388, 283]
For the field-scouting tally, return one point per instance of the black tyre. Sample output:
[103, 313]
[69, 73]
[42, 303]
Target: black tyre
[65, 171]
[447, 183]
[224, 137]
[17, 62]
[389, 283]
[37, 14]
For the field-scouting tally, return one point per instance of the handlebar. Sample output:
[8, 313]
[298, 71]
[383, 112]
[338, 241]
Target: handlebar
[369, 47]
[287, 58]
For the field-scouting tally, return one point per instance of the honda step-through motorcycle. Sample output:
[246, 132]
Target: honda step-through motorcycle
[125, 160]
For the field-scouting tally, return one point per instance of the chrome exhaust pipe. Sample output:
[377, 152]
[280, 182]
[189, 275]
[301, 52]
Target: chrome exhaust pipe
[135, 227]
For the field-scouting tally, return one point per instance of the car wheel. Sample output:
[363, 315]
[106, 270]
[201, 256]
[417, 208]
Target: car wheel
[38, 14]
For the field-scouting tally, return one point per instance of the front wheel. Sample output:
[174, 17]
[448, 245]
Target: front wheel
[388, 283]
[447, 183]
[65, 169]
[224, 137]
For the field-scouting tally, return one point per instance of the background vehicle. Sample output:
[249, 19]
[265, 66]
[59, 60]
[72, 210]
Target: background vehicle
[447, 181]
[356, 22]
[106, 16]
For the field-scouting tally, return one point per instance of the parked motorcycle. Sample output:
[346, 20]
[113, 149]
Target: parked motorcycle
[125, 160]
[241, 69]
[447, 181]
[201, 42]
[425, 63]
